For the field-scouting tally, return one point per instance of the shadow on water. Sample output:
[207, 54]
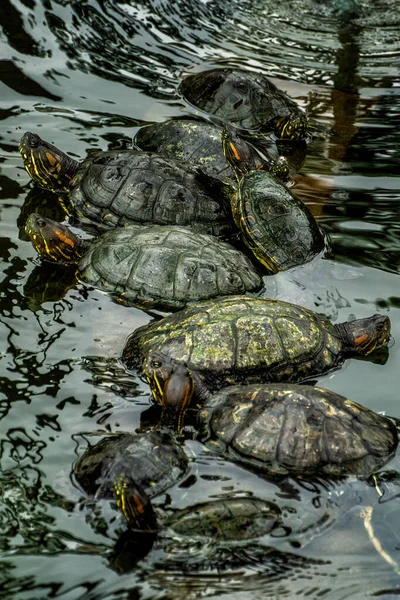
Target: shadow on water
[85, 75]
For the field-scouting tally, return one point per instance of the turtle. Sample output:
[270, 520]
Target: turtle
[296, 429]
[239, 339]
[158, 265]
[199, 143]
[130, 469]
[118, 187]
[277, 226]
[247, 99]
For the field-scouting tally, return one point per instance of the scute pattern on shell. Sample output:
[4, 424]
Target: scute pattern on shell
[278, 227]
[196, 143]
[237, 339]
[169, 265]
[116, 188]
[297, 429]
[241, 97]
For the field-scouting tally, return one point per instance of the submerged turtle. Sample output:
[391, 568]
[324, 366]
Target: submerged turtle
[116, 188]
[198, 143]
[242, 340]
[162, 265]
[288, 428]
[246, 99]
[276, 225]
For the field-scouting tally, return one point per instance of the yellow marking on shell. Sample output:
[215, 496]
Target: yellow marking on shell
[235, 413]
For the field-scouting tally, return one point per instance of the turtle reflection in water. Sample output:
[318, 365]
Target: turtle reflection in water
[116, 188]
[240, 340]
[162, 266]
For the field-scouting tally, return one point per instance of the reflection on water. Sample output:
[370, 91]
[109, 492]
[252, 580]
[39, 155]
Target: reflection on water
[85, 75]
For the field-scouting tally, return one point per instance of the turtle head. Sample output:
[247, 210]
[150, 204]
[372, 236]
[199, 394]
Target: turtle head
[48, 167]
[134, 503]
[243, 158]
[172, 386]
[53, 240]
[292, 127]
[240, 155]
[363, 336]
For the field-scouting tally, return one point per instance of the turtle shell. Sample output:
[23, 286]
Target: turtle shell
[227, 519]
[194, 142]
[152, 459]
[277, 227]
[245, 98]
[240, 339]
[298, 429]
[166, 265]
[116, 188]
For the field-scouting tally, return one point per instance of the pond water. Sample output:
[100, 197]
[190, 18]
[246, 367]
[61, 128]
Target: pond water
[85, 74]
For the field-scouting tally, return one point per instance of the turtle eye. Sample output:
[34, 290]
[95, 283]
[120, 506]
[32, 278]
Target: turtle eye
[34, 142]
[41, 223]
[380, 327]
[156, 364]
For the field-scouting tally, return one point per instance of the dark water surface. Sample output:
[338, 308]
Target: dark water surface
[84, 75]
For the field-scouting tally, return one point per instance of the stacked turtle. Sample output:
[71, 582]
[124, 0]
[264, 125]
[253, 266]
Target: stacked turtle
[238, 360]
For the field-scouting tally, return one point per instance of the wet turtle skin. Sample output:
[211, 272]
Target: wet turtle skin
[298, 429]
[276, 225]
[153, 460]
[195, 143]
[116, 188]
[239, 340]
[166, 265]
[244, 98]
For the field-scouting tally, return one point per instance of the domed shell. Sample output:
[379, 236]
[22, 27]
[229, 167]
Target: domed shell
[278, 227]
[284, 428]
[196, 143]
[152, 459]
[245, 98]
[116, 188]
[227, 519]
[238, 339]
[169, 266]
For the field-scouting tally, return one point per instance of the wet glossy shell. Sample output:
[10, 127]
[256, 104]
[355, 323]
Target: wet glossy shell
[196, 143]
[239, 339]
[152, 459]
[275, 225]
[227, 519]
[298, 429]
[244, 98]
[168, 265]
[117, 188]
